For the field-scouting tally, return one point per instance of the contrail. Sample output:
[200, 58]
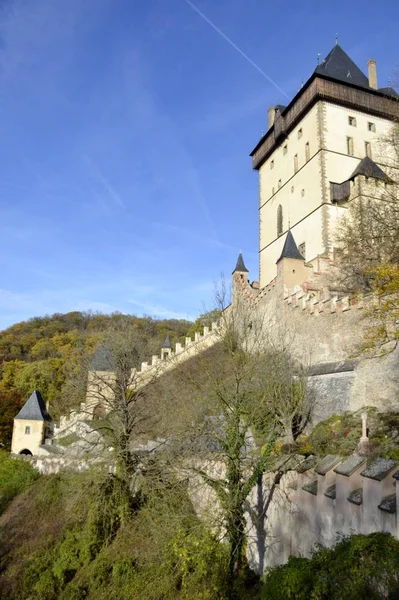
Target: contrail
[224, 36]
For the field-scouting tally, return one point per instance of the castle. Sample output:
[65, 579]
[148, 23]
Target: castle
[321, 151]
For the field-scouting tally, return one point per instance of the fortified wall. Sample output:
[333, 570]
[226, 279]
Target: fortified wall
[323, 331]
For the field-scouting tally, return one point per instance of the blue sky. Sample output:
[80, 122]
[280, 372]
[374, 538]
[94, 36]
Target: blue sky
[126, 125]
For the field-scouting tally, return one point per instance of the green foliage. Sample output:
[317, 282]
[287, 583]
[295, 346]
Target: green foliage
[340, 434]
[358, 567]
[84, 537]
[47, 353]
[15, 476]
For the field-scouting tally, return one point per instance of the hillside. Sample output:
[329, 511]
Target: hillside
[48, 353]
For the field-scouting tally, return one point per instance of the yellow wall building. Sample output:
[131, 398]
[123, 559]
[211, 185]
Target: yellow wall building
[31, 425]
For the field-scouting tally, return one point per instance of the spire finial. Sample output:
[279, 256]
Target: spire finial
[318, 58]
[389, 81]
[336, 39]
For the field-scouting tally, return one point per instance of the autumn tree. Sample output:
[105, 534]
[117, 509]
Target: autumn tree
[367, 244]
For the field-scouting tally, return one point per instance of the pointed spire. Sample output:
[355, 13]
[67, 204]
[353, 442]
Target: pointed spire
[167, 343]
[290, 249]
[240, 267]
[34, 409]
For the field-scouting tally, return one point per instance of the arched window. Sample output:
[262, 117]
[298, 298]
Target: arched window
[26, 452]
[279, 220]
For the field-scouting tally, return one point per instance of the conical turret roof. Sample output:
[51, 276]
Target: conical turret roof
[290, 249]
[34, 409]
[240, 267]
[167, 343]
[369, 168]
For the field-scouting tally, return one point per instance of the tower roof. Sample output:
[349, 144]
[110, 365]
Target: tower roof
[167, 343]
[103, 359]
[290, 249]
[369, 168]
[389, 91]
[338, 65]
[240, 267]
[34, 409]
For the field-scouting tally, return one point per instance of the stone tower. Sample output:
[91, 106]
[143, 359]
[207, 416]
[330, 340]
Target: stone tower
[311, 159]
[31, 426]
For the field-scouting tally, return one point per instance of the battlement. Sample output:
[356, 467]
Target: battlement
[317, 303]
[169, 359]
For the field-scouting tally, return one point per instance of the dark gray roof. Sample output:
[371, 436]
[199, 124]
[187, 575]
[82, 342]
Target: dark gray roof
[356, 497]
[338, 65]
[103, 359]
[331, 492]
[167, 343]
[379, 468]
[290, 249]
[369, 168]
[388, 504]
[349, 466]
[34, 409]
[341, 366]
[389, 91]
[288, 463]
[311, 488]
[307, 464]
[240, 267]
[327, 464]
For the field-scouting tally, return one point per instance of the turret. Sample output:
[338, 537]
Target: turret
[31, 425]
[291, 270]
[166, 350]
[240, 277]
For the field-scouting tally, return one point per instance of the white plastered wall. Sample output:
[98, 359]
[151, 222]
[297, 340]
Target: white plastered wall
[299, 194]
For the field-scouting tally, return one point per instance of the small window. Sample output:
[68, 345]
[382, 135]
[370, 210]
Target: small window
[279, 220]
[279, 184]
[307, 151]
[285, 149]
[302, 192]
[271, 164]
[371, 126]
[27, 430]
[302, 249]
[299, 133]
[367, 148]
[292, 189]
[352, 121]
[349, 146]
[295, 163]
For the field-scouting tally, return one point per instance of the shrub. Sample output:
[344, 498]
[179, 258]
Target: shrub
[358, 567]
[15, 476]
